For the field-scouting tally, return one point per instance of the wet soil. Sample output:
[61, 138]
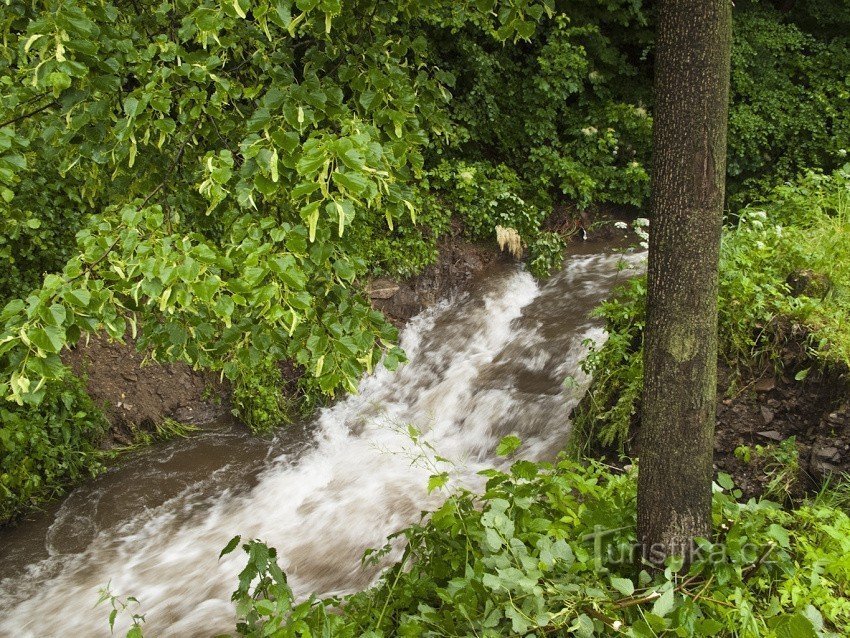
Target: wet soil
[762, 419]
[773, 412]
[137, 394]
[458, 263]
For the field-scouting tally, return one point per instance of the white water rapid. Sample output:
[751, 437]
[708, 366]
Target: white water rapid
[489, 363]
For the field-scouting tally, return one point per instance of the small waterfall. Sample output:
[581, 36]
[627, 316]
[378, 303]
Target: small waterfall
[487, 364]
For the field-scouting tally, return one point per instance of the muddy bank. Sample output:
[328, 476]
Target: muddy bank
[761, 420]
[136, 394]
[770, 410]
[458, 262]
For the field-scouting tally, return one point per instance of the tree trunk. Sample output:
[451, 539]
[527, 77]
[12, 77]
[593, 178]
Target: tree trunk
[692, 54]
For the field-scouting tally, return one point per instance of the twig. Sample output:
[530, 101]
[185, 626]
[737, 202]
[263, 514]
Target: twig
[704, 587]
[174, 164]
[30, 114]
[750, 570]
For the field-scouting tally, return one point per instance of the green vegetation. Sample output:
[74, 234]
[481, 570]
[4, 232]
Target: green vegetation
[43, 450]
[219, 180]
[166, 430]
[780, 464]
[549, 551]
[784, 271]
[233, 183]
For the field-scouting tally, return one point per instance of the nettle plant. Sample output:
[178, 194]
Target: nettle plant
[550, 550]
[220, 155]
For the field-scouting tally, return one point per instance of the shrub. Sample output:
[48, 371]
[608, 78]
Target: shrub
[551, 549]
[46, 448]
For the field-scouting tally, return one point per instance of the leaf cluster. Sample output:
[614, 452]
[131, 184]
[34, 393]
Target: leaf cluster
[551, 549]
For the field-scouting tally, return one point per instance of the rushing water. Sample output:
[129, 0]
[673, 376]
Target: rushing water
[487, 364]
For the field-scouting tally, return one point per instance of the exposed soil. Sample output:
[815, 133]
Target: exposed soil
[764, 418]
[458, 263]
[137, 396]
[597, 221]
[770, 410]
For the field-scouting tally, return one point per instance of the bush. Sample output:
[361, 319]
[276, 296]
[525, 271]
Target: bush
[46, 448]
[552, 549]
[484, 196]
[258, 400]
[787, 87]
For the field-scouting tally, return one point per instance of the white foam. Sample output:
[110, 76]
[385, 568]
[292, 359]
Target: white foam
[362, 479]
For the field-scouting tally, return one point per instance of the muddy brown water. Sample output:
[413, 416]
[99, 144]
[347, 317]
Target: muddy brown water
[486, 364]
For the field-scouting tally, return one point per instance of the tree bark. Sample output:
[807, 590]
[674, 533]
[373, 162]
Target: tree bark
[693, 47]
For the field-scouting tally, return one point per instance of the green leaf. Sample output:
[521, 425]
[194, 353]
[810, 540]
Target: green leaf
[58, 313]
[525, 29]
[353, 183]
[623, 585]
[231, 545]
[343, 269]
[437, 481]
[664, 604]
[725, 481]
[508, 445]
[780, 535]
[794, 626]
[79, 297]
[50, 339]
[353, 159]
[12, 309]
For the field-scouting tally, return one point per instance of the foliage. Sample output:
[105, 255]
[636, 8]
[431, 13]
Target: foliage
[257, 398]
[799, 233]
[606, 413]
[484, 197]
[546, 254]
[549, 549]
[220, 169]
[121, 604]
[234, 180]
[566, 111]
[165, 430]
[570, 111]
[43, 449]
[787, 90]
[780, 464]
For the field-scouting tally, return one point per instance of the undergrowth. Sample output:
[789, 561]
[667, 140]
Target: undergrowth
[45, 449]
[784, 276]
[551, 550]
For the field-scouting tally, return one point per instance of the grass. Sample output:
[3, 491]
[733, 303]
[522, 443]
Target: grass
[784, 284]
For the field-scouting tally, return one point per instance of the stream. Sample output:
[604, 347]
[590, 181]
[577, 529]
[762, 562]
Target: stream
[488, 363]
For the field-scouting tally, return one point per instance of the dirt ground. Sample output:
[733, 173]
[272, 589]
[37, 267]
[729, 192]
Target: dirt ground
[761, 420]
[136, 395]
[772, 409]
[458, 263]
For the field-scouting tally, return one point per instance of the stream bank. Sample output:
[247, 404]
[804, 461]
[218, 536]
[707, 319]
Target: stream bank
[137, 394]
[775, 435]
